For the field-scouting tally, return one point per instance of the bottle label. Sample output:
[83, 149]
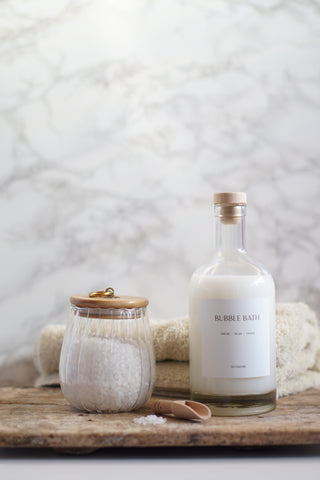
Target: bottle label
[235, 337]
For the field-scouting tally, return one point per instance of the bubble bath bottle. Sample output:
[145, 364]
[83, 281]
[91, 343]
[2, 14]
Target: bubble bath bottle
[232, 322]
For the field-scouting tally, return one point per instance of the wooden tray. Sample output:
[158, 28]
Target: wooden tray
[41, 417]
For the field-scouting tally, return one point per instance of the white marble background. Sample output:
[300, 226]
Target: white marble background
[118, 121]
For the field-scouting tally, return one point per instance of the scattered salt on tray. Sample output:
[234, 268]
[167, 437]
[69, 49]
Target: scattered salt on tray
[150, 420]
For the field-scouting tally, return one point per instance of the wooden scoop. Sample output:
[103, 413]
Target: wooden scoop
[181, 409]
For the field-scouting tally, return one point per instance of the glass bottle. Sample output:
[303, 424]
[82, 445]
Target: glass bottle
[232, 322]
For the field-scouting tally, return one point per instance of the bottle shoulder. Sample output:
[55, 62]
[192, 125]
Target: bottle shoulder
[235, 266]
[213, 281]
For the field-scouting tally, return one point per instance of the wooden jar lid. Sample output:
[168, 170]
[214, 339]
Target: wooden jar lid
[107, 299]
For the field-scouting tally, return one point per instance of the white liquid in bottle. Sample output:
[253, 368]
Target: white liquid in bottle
[232, 322]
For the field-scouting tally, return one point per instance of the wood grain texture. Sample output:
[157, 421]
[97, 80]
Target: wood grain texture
[41, 417]
[125, 301]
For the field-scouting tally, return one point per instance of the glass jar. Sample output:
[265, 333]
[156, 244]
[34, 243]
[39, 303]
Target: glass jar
[107, 361]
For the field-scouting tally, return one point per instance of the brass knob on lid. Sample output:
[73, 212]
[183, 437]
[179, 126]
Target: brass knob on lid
[108, 292]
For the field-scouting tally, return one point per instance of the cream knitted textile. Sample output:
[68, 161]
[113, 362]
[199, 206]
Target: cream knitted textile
[298, 348]
[47, 349]
[171, 339]
[297, 339]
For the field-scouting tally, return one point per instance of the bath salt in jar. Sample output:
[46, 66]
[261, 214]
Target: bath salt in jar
[107, 360]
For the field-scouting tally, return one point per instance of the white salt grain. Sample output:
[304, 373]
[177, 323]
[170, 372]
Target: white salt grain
[107, 374]
[150, 420]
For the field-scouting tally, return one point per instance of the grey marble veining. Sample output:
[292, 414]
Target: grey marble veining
[119, 119]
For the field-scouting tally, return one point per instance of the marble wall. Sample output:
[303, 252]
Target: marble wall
[120, 118]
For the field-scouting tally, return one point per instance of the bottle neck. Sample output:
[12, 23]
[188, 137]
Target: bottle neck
[230, 230]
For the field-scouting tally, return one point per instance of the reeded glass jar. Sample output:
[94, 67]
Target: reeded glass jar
[107, 361]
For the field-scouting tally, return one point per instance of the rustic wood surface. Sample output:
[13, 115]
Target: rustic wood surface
[41, 417]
